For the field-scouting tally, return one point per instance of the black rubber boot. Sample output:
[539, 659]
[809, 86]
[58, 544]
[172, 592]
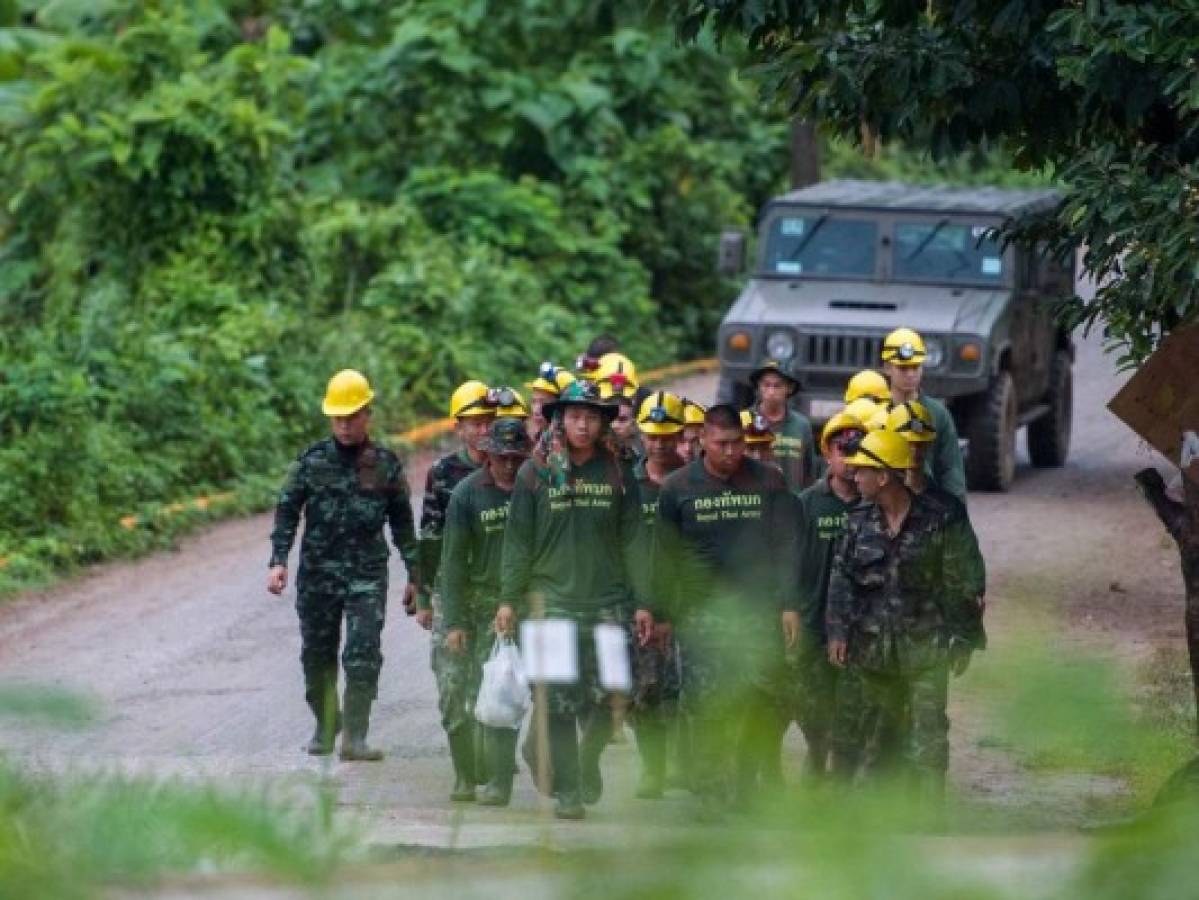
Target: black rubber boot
[597, 733]
[321, 696]
[462, 755]
[564, 757]
[357, 705]
[500, 748]
[651, 746]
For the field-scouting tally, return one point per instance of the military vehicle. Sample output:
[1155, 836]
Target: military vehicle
[842, 263]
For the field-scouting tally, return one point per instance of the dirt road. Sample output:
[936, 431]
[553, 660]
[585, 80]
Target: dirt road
[194, 667]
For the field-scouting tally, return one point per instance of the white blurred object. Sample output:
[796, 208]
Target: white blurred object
[549, 650]
[612, 654]
[504, 691]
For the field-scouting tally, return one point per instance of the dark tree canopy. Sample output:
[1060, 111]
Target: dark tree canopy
[1103, 94]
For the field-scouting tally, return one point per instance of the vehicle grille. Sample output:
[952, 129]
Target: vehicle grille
[842, 351]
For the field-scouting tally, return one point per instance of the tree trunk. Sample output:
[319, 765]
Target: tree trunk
[1182, 521]
[805, 154]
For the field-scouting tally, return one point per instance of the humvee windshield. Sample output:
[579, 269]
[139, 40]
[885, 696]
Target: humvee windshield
[935, 250]
[821, 245]
[946, 251]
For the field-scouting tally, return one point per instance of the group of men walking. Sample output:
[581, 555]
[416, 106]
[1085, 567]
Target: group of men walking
[762, 577]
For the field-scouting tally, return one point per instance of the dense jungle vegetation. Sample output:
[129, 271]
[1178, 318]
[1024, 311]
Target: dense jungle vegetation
[208, 207]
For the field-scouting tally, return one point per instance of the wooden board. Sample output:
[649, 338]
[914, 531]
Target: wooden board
[1161, 402]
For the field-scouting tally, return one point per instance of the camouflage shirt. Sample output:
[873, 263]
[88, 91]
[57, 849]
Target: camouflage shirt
[899, 600]
[345, 495]
[444, 475]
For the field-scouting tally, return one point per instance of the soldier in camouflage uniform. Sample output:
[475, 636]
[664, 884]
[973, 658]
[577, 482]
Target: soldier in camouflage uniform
[723, 570]
[347, 488]
[569, 523]
[473, 406]
[794, 447]
[470, 583]
[902, 608]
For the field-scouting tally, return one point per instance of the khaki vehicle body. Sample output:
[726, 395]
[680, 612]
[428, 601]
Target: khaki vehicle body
[840, 264]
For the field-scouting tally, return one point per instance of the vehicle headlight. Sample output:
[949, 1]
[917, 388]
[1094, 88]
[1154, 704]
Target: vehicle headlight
[780, 345]
[936, 353]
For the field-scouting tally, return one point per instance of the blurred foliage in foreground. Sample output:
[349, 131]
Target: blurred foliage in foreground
[210, 206]
[1030, 834]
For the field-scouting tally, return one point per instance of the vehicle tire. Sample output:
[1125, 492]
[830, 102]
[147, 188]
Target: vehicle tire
[1049, 436]
[991, 432]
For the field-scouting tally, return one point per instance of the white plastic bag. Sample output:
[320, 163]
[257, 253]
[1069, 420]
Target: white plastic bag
[504, 692]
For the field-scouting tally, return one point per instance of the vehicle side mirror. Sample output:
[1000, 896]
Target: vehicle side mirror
[731, 258]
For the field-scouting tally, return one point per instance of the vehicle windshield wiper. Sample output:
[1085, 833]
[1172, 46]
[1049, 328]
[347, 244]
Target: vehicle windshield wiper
[927, 240]
[808, 237]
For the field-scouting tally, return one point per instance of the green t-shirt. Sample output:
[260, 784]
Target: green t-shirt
[795, 449]
[943, 466]
[472, 549]
[822, 520]
[568, 544]
[725, 549]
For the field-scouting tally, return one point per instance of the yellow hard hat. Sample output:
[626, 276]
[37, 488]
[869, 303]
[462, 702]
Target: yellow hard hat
[842, 421]
[551, 379]
[755, 428]
[661, 413]
[870, 384]
[904, 347]
[913, 421]
[878, 419]
[348, 392]
[511, 404]
[693, 413]
[617, 372]
[883, 450]
[470, 399]
[862, 409]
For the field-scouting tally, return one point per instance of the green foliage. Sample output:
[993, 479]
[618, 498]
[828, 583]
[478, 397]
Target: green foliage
[71, 838]
[1103, 94]
[210, 207]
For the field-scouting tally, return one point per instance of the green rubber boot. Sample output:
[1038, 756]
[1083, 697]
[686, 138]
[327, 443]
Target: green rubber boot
[500, 748]
[462, 755]
[357, 704]
[564, 757]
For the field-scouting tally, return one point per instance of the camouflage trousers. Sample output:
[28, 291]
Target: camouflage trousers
[904, 720]
[459, 674]
[657, 680]
[830, 711]
[323, 600]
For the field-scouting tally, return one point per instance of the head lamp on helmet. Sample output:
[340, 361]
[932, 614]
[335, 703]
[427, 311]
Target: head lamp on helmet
[838, 427]
[913, 421]
[510, 404]
[550, 379]
[755, 428]
[903, 346]
[661, 413]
